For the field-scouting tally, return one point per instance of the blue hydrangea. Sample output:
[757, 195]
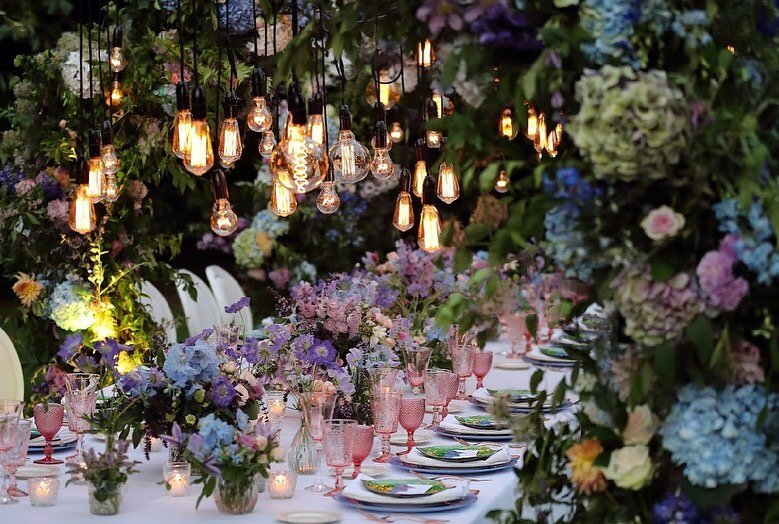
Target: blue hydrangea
[9, 177]
[715, 436]
[186, 365]
[241, 17]
[69, 306]
[269, 223]
[756, 240]
[216, 433]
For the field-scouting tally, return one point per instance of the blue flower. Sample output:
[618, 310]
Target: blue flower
[222, 392]
[675, 509]
[70, 346]
[200, 336]
[215, 433]
[321, 352]
[189, 364]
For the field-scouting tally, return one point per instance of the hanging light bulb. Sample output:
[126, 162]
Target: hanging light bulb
[116, 94]
[224, 221]
[351, 160]
[282, 200]
[230, 146]
[116, 60]
[532, 124]
[112, 189]
[389, 93]
[502, 184]
[541, 137]
[201, 151]
[432, 138]
[328, 200]
[82, 218]
[448, 188]
[380, 114]
[425, 55]
[420, 169]
[444, 105]
[554, 139]
[429, 233]
[259, 119]
[316, 123]
[95, 176]
[506, 127]
[107, 150]
[182, 123]
[396, 133]
[267, 144]
[382, 166]
[403, 218]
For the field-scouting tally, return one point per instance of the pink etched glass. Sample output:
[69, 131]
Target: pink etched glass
[482, 362]
[81, 397]
[417, 360]
[515, 330]
[339, 447]
[48, 420]
[436, 384]
[10, 411]
[412, 412]
[383, 380]
[363, 444]
[386, 409]
[317, 407]
[15, 457]
[462, 364]
[453, 385]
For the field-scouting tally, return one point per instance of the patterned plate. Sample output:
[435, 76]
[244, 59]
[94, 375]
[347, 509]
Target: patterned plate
[514, 395]
[405, 488]
[475, 438]
[410, 508]
[451, 470]
[555, 352]
[458, 453]
[480, 422]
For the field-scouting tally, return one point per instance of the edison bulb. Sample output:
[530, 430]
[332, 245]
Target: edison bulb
[201, 153]
[224, 221]
[382, 166]
[328, 200]
[111, 188]
[551, 144]
[396, 133]
[82, 211]
[117, 60]
[540, 142]
[267, 144]
[116, 95]
[230, 147]
[433, 139]
[503, 183]
[425, 56]
[403, 218]
[418, 182]
[429, 235]
[298, 162]
[443, 104]
[282, 200]
[506, 126]
[351, 160]
[182, 124]
[448, 188]
[532, 124]
[389, 93]
[316, 128]
[96, 185]
[259, 119]
[109, 159]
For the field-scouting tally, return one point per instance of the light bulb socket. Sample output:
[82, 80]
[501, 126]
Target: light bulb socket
[380, 135]
[107, 133]
[346, 118]
[428, 190]
[117, 36]
[230, 104]
[94, 144]
[297, 108]
[431, 110]
[199, 111]
[281, 92]
[182, 96]
[259, 82]
[330, 177]
[405, 180]
[421, 150]
[379, 113]
[316, 104]
[219, 184]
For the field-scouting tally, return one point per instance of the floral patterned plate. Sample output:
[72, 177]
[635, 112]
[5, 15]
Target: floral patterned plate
[458, 453]
[405, 488]
[480, 422]
[515, 395]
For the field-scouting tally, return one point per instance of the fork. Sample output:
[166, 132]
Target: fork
[398, 517]
[441, 477]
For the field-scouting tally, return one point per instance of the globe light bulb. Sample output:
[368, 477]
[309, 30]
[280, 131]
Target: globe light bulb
[108, 156]
[448, 188]
[267, 144]
[382, 166]
[506, 127]
[433, 139]
[224, 221]
[230, 147]
[201, 152]
[541, 137]
[429, 235]
[316, 129]
[532, 124]
[328, 200]
[420, 172]
[282, 200]
[396, 133]
[389, 93]
[182, 125]
[259, 119]
[111, 188]
[502, 184]
[82, 211]
[116, 60]
[403, 218]
[116, 94]
[298, 162]
[351, 160]
[425, 56]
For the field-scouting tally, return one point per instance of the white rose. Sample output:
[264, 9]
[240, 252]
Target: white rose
[261, 441]
[629, 467]
[640, 427]
[243, 394]
[279, 454]
[230, 367]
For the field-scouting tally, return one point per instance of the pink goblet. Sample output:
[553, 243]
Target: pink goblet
[10, 411]
[363, 444]
[482, 362]
[383, 379]
[452, 386]
[515, 330]
[48, 420]
[386, 409]
[412, 412]
[339, 447]
[436, 387]
[16, 456]
[417, 360]
[317, 406]
[81, 396]
[462, 364]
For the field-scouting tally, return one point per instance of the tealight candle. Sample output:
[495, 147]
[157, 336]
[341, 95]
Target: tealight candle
[277, 408]
[282, 484]
[43, 491]
[176, 478]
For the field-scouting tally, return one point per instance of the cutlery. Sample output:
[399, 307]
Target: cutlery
[396, 517]
[452, 477]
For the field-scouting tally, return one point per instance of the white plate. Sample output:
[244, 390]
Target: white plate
[512, 364]
[453, 408]
[420, 437]
[309, 517]
[369, 468]
[34, 471]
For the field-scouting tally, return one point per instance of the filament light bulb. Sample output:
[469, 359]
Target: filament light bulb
[116, 95]
[389, 93]
[82, 211]
[116, 60]
[506, 127]
[282, 200]
[351, 160]
[267, 144]
[328, 200]
[108, 156]
[230, 147]
[425, 56]
[433, 139]
[429, 235]
[382, 166]
[403, 218]
[396, 133]
[532, 124]
[201, 151]
[420, 172]
[96, 184]
[316, 129]
[182, 125]
[259, 119]
[298, 161]
[503, 183]
[224, 221]
[448, 187]
[111, 188]
[541, 137]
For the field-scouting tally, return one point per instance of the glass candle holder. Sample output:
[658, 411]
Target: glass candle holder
[277, 408]
[281, 484]
[155, 444]
[43, 491]
[176, 475]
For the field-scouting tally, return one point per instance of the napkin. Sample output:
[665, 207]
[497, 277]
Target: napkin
[357, 491]
[418, 459]
[451, 425]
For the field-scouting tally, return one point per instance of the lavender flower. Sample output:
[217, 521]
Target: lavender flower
[675, 508]
[505, 28]
[222, 392]
[438, 14]
[70, 346]
[50, 187]
[721, 288]
[235, 308]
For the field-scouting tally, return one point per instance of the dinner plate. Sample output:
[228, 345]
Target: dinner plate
[514, 395]
[453, 469]
[484, 422]
[548, 362]
[405, 488]
[475, 438]
[512, 364]
[457, 452]
[555, 352]
[309, 517]
[410, 508]
[420, 437]
[516, 409]
[32, 471]
[372, 470]
[55, 448]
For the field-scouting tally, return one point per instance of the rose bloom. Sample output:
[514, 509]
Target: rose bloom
[662, 223]
[629, 467]
[640, 427]
[26, 289]
[585, 475]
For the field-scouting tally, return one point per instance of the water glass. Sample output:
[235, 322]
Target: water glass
[82, 397]
[386, 409]
[417, 360]
[482, 362]
[363, 444]
[10, 411]
[48, 420]
[412, 412]
[317, 406]
[515, 330]
[462, 364]
[16, 456]
[339, 446]
[383, 380]
[436, 384]
[452, 387]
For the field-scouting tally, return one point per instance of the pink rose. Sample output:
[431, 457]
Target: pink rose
[279, 277]
[746, 363]
[662, 223]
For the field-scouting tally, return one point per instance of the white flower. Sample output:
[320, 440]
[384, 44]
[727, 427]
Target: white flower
[279, 454]
[662, 223]
[629, 467]
[596, 414]
[230, 367]
[640, 427]
[243, 394]
[70, 74]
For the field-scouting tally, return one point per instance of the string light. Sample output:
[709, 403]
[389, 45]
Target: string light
[507, 128]
[532, 124]
[117, 61]
[429, 233]
[182, 123]
[230, 146]
[420, 169]
[267, 144]
[82, 218]
[448, 188]
[403, 217]
[425, 55]
[382, 166]
[200, 157]
[432, 138]
[282, 200]
[316, 124]
[224, 221]
[328, 200]
[259, 119]
[351, 160]
[115, 95]
[95, 176]
[502, 184]
[107, 150]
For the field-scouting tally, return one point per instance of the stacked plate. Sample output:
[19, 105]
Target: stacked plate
[406, 495]
[64, 440]
[549, 357]
[455, 459]
[519, 400]
[474, 427]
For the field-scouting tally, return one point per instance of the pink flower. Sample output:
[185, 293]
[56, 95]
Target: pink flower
[746, 363]
[719, 286]
[24, 187]
[279, 277]
[662, 223]
[57, 211]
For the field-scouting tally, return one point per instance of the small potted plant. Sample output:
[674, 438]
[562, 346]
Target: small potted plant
[106, 473]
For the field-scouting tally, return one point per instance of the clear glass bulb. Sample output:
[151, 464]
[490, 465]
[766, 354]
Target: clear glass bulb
[328, 200]
[298, 162]
[433, 139]
[109, 159]
[551, 144]
[201, 153]
[230, 147]
[316, 128]
[182, 124]
[82, 211]
[112, 189]
[351, 160]
[503, 183]
[506, 127]
[540, 142]
[282, 200]
[259, 119]
[116, 60]
[389, 142]
[382, 165]
[532, 124]
[443, 104]
[96, 185]
[425, 56]
[116, 95]
[389, 93]
[224, 221]
[396, 133]
[429, 235]
[448, 188]
[403, 219]
[267, 144]
[418, 182]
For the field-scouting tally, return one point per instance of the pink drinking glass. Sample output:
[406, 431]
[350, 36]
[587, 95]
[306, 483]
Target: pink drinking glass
[462, 364]
[317, 407]
[15, 457]
[417, 360]
[482, 362]
[48, 420]
[386, 409]
[339, 447]
[412, 412]
[10, 411]
[383, 379]
[436, 388]
[452, 386]
[363, 444]
[82, 397]
[515, 330]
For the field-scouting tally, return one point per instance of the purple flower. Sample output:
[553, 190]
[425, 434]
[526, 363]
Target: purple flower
[505, 28]
[440, 13]
[222, 392]
[321, 352]
[70, 346]
[200, 336]
[235, 308]
[250, 351]
[109, 351]
[721, 288]
[176, 435]
[675, 508]
[131, 383]
[301, 346]
[50, 187]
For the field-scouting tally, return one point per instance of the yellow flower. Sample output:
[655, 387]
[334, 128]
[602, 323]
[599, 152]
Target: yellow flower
[125, 363]
[585, 475]
[26, 288]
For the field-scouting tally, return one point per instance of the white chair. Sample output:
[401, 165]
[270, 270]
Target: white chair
[11, 377]
[228, 291]
[160, 311]
[201, 313]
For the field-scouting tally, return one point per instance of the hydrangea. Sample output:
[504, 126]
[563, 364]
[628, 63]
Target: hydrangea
[721, 288]
[675, 508]
[9, 177]
[631, 125]
[51, 188]
[241, 16]
[215, 432]
[270, 224]
[715, 436]
[755, 239]
[70, 306]
[255, 243]
[505, 28]
[187, 364]
[655, 311]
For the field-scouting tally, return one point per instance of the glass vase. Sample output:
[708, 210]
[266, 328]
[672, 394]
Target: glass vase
[302, 456]
[237, 498]
[108, 506]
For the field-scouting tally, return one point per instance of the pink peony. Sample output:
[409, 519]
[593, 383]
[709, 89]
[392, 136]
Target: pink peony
[57, 211]
[662, 223]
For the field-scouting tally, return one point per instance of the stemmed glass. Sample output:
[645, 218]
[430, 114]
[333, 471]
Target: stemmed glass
[48, 420]
[386, 409]
[482, 362]
[417, 360]
[363, 444]
[515, 329]
[412, 412]
[16, 456]
[82, 396]
[339, 446]
[383, 379]
[10, 411]
[317, 407]
[436, 384]
[452, 386]
[462, 364]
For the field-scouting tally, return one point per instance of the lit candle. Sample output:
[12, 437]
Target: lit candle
[176, 478]
[277, 408]
[43, 491]
[282, 484]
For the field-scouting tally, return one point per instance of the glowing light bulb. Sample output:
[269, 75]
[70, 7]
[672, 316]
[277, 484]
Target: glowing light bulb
[396, 133]
[298, 162]
[506, 127]
[503, 183]
[82, 211]
[420, 172]
[540, 142]
[552, 143]
[259, 119]
[328, 200]
[116, 60]
[448, 188]
[444, 105]
[403, 218]
[532, 124]
[425, 55]
[267, 144]
[224, 221]
[201, 153]
[429, 235]
[382, 166]
[182, 124]
[389, 93]
[282, 200]
[433, 139]
[351, 160]
[96, 185]
[111, 188]
[116, 95]
[316, 128]
[230, 147]
[109, 159]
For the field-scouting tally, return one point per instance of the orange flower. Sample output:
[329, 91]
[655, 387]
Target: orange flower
[26, 289]
[586, 476]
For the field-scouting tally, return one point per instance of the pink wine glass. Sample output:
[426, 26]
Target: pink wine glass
[363, 444]
[82, 397]
[417, 360]
[412, 412]
[14, 458]
[48, 419]
[462, 364]
[436, 387]
[482, 362]
[386, 409]
[515, 330]
[452, 386]
[339, 447]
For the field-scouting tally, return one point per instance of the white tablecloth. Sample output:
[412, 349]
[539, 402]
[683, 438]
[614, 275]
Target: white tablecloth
[145, 499]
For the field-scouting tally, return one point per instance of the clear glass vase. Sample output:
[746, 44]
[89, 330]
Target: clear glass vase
[302, 456]
[237, 498]
[108, 506]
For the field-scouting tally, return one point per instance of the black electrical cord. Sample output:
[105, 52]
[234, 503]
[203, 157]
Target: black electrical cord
[181, 40]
